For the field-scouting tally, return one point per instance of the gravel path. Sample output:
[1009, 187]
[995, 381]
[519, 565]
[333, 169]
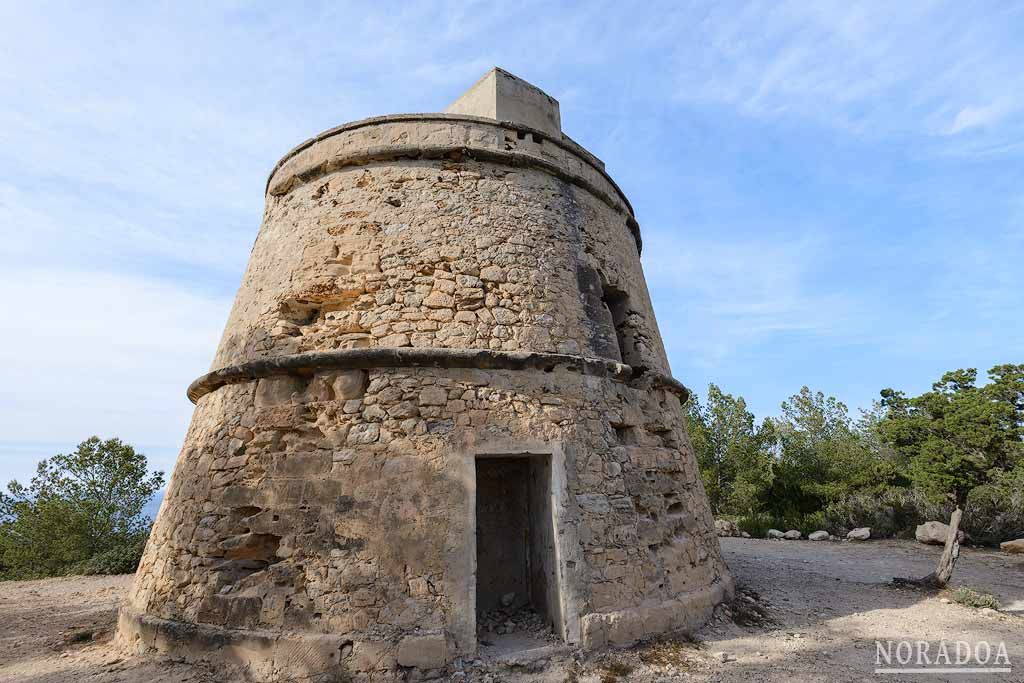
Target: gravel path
[832, 601]
[824, 606]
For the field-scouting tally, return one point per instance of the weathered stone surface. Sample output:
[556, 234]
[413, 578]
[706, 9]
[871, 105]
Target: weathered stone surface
[250, 546]
[859, 534]
[349, 385]
[275, 391]
[500, 95]
[775, 533]
[424, 652]
[818, 536]
[427, 290]
[433, 396]
[792, 535]
[372, 656]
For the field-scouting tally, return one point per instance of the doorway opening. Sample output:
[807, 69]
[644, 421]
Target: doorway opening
[517, 601]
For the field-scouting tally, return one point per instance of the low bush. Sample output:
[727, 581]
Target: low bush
[123, 558]
[972, 598]
[994, 513]
[892, 513]
[756, 524]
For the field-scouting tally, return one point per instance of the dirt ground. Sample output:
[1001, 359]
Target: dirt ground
[806, 612]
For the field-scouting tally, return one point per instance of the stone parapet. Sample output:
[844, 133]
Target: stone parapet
[453, 137]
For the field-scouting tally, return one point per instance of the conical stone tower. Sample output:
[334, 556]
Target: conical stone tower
[441, 391]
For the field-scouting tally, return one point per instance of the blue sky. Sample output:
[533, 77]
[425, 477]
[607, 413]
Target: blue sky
[830, 194]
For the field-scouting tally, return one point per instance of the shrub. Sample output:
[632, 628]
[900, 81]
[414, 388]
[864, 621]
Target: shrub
[812, 522]
[123, 558]
[80, 512]
[894, 512]
[756, 524]
[972, 598]
[995, 512]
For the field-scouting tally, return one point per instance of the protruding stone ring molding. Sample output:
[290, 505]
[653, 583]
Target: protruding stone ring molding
[474, 359]
[473, 149]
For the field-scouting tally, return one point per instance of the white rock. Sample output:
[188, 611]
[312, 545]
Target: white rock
[861, 534]
[1016, 547]
[726, 528]
[775, 533]
[792, 535]
[818, 536]
[935, 533]
[744, 534]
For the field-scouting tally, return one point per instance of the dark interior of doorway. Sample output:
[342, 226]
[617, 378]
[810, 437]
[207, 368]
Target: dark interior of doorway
[516, 586]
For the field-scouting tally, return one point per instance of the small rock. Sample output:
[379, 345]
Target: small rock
[775, 533]
[726, 528]
[744, 534]
[724, 657]
[507, 599]
[792, 535]
[818, 536]
[860, 534]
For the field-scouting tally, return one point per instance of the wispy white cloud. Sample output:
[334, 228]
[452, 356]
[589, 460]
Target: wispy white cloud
[135, 140]
[973, 117]
[901, 68]
[100, 353]
[725, 295]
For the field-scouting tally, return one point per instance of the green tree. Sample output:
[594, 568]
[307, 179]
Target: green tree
[77, 508]
[821, 455]
[731, 452]
[958, 437]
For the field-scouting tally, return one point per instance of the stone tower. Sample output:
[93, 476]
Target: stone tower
[441, 390]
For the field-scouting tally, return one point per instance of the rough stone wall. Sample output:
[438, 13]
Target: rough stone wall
[439, 254]
[335, 514]
[325, 518]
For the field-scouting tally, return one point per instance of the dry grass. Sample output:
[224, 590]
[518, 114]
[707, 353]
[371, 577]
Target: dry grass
[676, 652]
[614, 669]
[746, 609]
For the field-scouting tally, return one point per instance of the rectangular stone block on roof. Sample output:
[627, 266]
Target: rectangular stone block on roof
[501, 96]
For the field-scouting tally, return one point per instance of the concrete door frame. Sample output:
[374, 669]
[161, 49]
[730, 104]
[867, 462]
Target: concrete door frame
[461, 546]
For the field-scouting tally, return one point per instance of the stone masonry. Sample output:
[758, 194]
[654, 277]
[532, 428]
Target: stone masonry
[426, 291]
